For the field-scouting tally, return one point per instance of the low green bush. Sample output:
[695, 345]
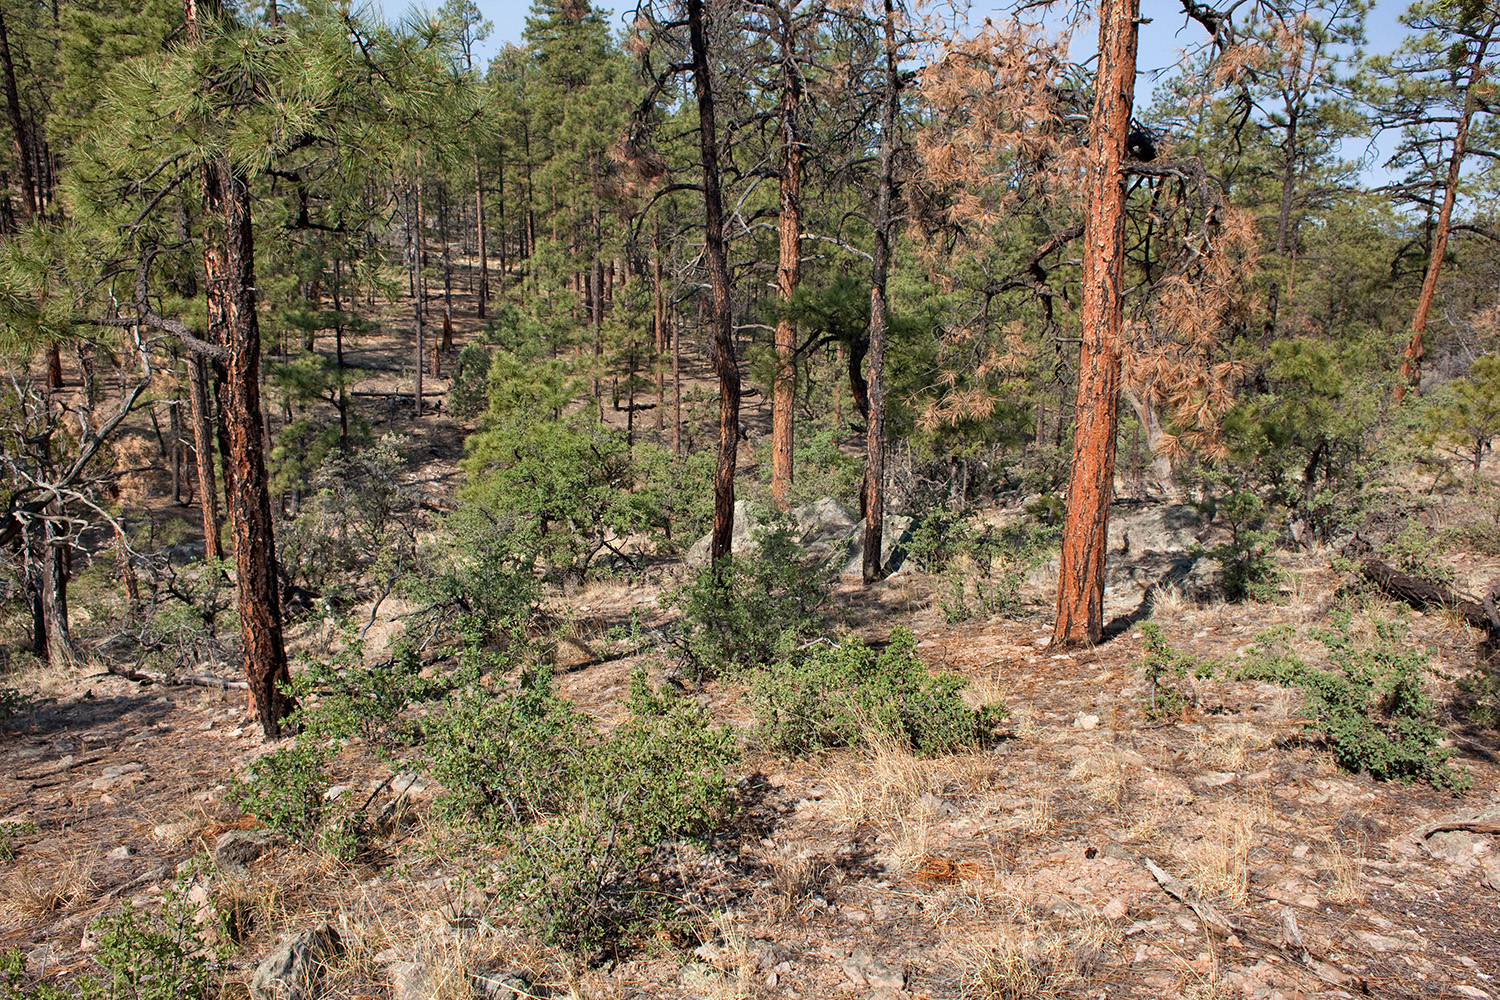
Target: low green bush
[845, 694]
[1371, 706]
[753, 612]
[1166, 668]
[585, 817]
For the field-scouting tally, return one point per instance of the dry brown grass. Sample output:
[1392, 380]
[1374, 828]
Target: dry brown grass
[889, 785]
[1103, 776]
[1027, 963]
[41, 888]
[1036, 817]
[1220, 862]
[1342, 874]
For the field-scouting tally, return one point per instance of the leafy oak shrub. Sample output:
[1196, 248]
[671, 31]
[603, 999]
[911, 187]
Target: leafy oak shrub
[845, 694]
[758, 610]
[1370, 705]
[585, 817]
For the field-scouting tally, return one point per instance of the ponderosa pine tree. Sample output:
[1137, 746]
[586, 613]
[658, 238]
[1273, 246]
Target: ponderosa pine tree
[1436, 90]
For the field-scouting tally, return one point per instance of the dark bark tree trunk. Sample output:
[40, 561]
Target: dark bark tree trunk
[721, 318]
[873, 497]
[259, 600]
[789, 265]
[1411, 360]
[1080, 589]
[483, 295]
[56, 571]
[203, 454]
[20, 134]
[419, 292]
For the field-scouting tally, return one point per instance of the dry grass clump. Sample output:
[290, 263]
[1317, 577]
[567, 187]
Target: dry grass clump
[37, 891]
[889, 784]
[1220, 863]
[797, 879]
[1033, 964]
[1169, 604]
[1103, 775]
[1343, 875]
[1036, 818]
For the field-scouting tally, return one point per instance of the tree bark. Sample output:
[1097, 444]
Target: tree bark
[259, 601]
[789, 265]
[1411, 359]
[484, 263]
[419, 292]
[1080, 589]
[203, 454]
[874, 484]
[726, 366]
[20, 134]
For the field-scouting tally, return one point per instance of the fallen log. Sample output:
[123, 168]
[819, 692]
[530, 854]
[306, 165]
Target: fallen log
[186, 680]
[1423, 594]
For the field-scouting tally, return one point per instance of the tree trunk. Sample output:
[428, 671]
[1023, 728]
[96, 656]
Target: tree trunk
[420, 291]
[20, 135]
[1080, 589]
[203, 454]
[1411, 360]
[874, 484]
[789, 265]
[483, 295]
[259, 600]
[56, 571]
[726, 367]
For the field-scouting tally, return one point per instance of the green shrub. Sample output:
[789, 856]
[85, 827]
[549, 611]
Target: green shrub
[846, 694]
[1371, 707]
[763, 606]
[143, 958]
[584, 816]
[284, 788]
[8, 834]
[983, 568]
[1165, 669]
[1250, 571]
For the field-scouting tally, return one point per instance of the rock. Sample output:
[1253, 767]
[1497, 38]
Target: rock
[117, 770]
[1469, 991]
[1456, 845]
[1085, 721]
[293, 971]
[121, 853]
[407, 783]
[1213, 779]
[828, 533]
[506, 984]
[333, 793]
[882, 976]
[1115, 909]
[1385, 942]
[1491, 878]
[237, 848]
[410, 981]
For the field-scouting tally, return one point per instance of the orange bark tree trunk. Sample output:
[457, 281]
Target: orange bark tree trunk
[259, 600]
[789, 266]
[1080, 589]
[1411, 358]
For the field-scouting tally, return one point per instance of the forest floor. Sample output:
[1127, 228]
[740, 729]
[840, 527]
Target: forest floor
[1012, 871]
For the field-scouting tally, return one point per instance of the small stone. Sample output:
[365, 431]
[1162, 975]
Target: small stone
[1300, 851]
[1085, 721]
[506, 984]
[336, 791]
[1115, 909]
[120, 853]
[1469, 991]
[1491, 878]
[407, 782]
[410, 981]
[387, 955]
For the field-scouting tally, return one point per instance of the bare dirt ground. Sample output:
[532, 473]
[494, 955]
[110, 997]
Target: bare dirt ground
[1013, 871]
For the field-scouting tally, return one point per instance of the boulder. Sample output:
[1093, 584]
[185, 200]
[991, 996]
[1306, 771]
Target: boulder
[294, 971]
[828, 532]
[237, 848]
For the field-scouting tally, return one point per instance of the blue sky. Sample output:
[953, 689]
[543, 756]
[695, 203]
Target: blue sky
[1161, 40]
